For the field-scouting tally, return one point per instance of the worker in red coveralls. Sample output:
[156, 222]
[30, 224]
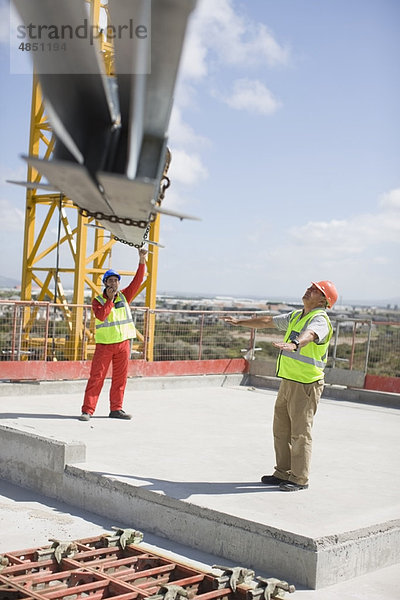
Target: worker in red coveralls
[114, 331]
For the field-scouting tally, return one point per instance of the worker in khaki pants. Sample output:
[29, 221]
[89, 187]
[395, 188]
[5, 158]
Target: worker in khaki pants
[301, 362]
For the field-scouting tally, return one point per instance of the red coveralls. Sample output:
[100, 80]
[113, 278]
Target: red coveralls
[105, 353]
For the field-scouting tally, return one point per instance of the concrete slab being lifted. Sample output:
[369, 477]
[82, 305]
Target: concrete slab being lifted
[187, 467]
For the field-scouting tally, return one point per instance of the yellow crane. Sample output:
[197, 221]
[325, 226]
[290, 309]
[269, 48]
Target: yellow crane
[77, 250]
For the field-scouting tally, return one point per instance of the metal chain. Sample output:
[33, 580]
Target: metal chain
[99, 216]
[117, 239]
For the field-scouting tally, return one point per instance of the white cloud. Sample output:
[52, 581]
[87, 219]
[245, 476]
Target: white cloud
[12, 218]
[380, 260]
[253, 96]
[218, 34]
[390, 200]
[219, 37]
[194, 57]
[360, 254]
[182, 134]
[12, 197]
[186, 168]
[174, 200]
[352, 236]
[13, 173]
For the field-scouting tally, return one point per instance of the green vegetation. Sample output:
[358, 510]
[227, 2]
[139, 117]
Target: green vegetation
[383, 356]
[6, 294]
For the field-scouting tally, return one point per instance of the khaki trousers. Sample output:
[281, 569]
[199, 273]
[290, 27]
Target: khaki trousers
[295, 407]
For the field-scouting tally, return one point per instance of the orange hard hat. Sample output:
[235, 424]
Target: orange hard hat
[329, 291]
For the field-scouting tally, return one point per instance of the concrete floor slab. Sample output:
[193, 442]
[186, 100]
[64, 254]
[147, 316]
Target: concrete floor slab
[29, 520]
[207, 447]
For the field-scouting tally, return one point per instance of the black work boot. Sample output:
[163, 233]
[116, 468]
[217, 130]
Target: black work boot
[271, 480]
[291, 486]
[119, 414]
[84, 417]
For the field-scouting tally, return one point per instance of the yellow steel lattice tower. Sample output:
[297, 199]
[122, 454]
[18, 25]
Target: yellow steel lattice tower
[70, 247]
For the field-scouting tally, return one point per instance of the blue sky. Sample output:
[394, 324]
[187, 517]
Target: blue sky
[285, 141]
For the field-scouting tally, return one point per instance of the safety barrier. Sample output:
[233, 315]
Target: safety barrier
[41, 331]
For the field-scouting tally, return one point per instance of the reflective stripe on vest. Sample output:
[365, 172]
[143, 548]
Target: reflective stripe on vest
[118, 326]
[308, 363]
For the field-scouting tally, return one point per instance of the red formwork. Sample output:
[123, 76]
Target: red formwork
[92, 569]
[99, 572]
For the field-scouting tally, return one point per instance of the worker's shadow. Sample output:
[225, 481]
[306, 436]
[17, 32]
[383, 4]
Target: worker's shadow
[74, 417]
[12, 415]
[181, 490]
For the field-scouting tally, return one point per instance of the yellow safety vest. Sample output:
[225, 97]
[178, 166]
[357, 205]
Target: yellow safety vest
[307, 364]
[118, 326]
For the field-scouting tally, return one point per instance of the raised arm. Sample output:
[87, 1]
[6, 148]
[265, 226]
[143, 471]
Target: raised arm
[130, 291]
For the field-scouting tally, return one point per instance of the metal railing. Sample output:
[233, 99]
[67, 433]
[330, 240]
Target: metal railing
[39, 331]
[32, 331]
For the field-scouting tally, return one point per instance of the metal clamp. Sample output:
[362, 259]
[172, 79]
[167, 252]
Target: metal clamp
[170, 592]
[62, 550]
[122, 537]
[272, 588]
[234, 576]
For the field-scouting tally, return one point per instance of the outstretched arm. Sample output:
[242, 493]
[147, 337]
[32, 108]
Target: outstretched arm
[255, 322]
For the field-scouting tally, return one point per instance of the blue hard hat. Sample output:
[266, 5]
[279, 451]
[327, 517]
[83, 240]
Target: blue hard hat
[110, 273]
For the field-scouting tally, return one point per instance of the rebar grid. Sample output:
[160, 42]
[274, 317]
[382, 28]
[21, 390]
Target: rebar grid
[87, 569]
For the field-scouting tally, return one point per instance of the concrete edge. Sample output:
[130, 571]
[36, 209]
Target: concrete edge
[359, 551]
[336, 392]
[133, 383]
[39, 463]
[34, 461]
[283, 554]
[353, 534]
[314, 563]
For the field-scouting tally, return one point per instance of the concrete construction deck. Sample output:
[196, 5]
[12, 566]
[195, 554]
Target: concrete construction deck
[187, 469]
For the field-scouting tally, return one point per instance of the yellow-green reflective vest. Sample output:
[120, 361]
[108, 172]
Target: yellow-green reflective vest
[118, 326]
[307, 364]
